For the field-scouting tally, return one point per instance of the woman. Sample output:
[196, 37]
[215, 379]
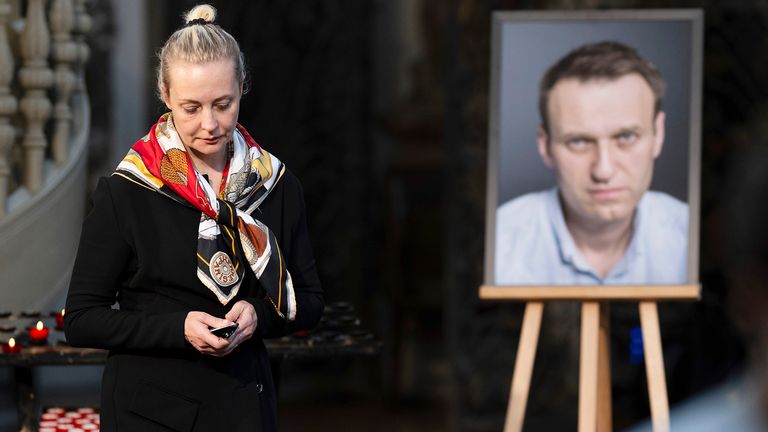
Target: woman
[198, 228]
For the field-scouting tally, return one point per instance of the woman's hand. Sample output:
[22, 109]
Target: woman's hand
[198, 334]
[244, 314]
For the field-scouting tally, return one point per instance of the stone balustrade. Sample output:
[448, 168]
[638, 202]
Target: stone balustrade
[42, 52]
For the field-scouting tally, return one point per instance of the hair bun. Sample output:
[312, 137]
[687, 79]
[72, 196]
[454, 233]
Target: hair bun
[204, 12]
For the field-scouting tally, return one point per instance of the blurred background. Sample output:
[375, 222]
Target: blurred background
[380, 107]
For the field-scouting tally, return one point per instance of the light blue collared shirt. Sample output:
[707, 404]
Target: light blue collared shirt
[534, 246]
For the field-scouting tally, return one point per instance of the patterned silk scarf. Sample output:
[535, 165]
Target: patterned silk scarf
[160, 162]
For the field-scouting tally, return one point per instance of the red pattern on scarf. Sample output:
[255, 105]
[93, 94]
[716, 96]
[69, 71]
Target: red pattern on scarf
[152, 155]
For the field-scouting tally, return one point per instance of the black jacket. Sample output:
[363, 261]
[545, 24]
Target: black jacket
[138, 248]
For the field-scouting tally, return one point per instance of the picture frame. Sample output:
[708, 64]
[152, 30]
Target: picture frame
[672, 39]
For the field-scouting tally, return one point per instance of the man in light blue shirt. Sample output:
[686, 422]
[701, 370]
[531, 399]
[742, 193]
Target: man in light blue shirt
[602, 129]
[656, 254]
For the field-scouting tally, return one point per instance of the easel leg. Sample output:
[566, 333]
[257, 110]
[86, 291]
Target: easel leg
[604, 405]
[521, 377]
[588, 367]
[654, 366]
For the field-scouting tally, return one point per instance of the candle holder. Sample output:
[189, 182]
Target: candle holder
[339, 307]
[30, 314]
[11, 346]
[38, 335]
[59, 317]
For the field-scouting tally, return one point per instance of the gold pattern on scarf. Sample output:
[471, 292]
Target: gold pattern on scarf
[173, 167]
[263, 165]
[236, 183]
[222, 270]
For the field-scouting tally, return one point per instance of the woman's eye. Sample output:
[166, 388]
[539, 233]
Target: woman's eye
[189, 109]
[223, 107]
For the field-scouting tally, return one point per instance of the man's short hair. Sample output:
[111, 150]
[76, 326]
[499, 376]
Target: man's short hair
[604, 60]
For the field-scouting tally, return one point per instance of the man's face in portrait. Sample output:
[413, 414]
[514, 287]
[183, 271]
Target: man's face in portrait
[602, 141]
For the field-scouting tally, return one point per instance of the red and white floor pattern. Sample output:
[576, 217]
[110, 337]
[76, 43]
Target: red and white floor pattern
[57, 419]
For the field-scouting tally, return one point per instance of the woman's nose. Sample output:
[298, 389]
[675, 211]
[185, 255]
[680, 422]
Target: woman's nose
[209, 122]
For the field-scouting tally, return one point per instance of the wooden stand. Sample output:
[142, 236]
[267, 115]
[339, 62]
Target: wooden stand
[594, 364]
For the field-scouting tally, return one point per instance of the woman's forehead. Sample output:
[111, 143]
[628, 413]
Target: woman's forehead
[219, 67]
[187, 77]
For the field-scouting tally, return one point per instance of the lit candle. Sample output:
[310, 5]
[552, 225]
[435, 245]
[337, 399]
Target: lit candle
[38, 334]
[60, 320]
[12, 346]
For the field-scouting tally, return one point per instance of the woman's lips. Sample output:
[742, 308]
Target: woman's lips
[213, 140]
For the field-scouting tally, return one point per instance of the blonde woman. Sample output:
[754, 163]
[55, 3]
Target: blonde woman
[199, 228]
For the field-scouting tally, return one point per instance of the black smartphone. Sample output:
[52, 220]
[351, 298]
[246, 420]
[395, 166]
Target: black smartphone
[224, 332]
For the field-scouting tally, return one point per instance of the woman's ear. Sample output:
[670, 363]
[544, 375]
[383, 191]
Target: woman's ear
[165, 96]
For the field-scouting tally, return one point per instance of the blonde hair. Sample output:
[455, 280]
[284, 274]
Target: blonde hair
[199, 41]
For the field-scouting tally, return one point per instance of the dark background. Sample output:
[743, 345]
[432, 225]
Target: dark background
[394, 171]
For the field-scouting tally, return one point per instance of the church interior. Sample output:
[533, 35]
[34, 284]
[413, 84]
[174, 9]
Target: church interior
[381, 109]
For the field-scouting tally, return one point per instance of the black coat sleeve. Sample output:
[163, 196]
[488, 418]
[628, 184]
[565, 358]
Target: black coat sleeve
[100, 268]
[294, 238]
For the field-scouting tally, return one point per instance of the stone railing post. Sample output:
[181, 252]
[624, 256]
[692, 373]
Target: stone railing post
[83, 24]
[7, 105]
[65, 52]
[82, 27]
[35, 78]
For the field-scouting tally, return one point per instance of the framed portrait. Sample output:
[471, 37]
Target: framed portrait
[592, 195]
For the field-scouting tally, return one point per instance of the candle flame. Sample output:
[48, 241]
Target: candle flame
[62, 312]
[11, 342]
[39, 325]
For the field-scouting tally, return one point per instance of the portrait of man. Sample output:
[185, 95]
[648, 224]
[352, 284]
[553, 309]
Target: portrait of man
[602, 128]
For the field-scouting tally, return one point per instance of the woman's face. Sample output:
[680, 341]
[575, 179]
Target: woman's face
[205, 101]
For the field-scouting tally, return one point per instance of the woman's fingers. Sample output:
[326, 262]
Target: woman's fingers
[197, 332]
[244, 314]
[234, 313]
[198, 324]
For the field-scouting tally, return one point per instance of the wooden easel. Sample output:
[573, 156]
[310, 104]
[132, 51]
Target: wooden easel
[594, 360]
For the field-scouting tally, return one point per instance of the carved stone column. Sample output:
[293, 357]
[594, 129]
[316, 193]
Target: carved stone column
[83, 24]
[65, 52]
[8, 105]
[35, 78]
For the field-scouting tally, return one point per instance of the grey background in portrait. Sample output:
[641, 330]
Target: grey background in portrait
[529, 48]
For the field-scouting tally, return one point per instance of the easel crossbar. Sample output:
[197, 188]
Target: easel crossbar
[590, 292]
